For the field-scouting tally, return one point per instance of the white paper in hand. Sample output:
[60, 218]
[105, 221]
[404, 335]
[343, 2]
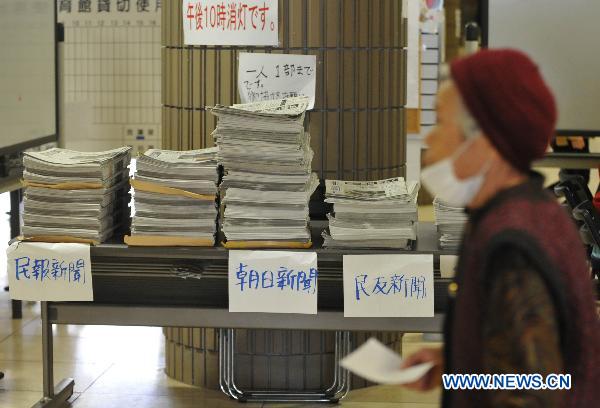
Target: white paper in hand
[377, 363]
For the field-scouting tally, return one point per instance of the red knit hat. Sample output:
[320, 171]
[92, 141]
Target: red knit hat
[505, 92]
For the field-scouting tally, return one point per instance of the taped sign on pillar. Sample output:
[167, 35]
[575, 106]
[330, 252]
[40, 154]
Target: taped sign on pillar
[263, 77]
[273, 282]
[231, 22]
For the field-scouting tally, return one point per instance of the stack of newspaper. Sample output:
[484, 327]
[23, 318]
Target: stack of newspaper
[81, 195]
[371, 214]
[174, 196]
[450, 222]
[267, 181]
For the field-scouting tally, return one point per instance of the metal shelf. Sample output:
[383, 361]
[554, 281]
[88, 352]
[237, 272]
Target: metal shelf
[569, 160]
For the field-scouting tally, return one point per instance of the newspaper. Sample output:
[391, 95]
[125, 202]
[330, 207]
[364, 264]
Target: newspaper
[266, 181]
[183, 165]
[395, 188]
[450, 222]
[207, 187]
[157, 213]
[267, 160]
[83, 195]
[186, 157]
[329, 242]
[289, 106]
[104, 180]
[371, 214]
[57, 162]
[66, 157]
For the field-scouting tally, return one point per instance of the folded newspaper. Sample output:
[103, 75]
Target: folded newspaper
[267, 182]
[450, 222]
[78, 195]
[183, 219]
[371, 214]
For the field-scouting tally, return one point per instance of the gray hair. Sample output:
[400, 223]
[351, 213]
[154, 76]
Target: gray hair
[467, 122]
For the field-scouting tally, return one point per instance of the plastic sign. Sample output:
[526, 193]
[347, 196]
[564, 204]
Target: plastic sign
[388, 285]
[49, 272]
[273, 282]
[232, 22]
[263, 77]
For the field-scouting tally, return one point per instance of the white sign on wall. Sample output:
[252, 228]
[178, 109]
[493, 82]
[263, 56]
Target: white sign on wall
[234, 22]
[263, 77]
[388, 285]
[273, 282]
[49, 272]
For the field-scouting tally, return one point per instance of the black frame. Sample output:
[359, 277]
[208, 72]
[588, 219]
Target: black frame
[484, 13]
[19, 147]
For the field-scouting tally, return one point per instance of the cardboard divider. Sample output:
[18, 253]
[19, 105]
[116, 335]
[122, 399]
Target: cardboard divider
[157, 188]
[57, 239]
[166, 241]
[266, 245]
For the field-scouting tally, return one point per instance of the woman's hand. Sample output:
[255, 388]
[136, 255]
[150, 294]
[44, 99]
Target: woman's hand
[433, 377]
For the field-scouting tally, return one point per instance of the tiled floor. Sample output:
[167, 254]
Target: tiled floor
[123, 367]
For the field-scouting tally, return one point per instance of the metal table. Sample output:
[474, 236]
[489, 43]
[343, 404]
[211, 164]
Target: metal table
[569, 160]
[137, 286]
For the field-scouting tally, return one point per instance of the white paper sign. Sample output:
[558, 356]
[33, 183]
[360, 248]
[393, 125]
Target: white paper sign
[448, 265]
[232, 22]
[388, 285]
[379, 364]
[273, 282]
[49, 272]
[263, 77]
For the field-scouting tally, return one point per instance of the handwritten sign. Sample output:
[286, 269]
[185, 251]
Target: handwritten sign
[263, 77]
[232, 22]
[388, 285]
[273, 282]
[53, 272]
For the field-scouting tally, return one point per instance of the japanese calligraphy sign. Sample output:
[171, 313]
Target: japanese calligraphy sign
[230, 22]
[388, 285]
[273, 282]
[52, 272]
[264, 77]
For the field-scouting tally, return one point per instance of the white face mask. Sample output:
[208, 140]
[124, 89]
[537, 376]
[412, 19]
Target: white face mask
[440, 180]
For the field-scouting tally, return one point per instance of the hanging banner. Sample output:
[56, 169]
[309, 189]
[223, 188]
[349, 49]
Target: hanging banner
[43, 271]
[234, 22]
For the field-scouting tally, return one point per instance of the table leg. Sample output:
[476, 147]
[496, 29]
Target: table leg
[54, 397]
[339, 388]
[15, 231]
